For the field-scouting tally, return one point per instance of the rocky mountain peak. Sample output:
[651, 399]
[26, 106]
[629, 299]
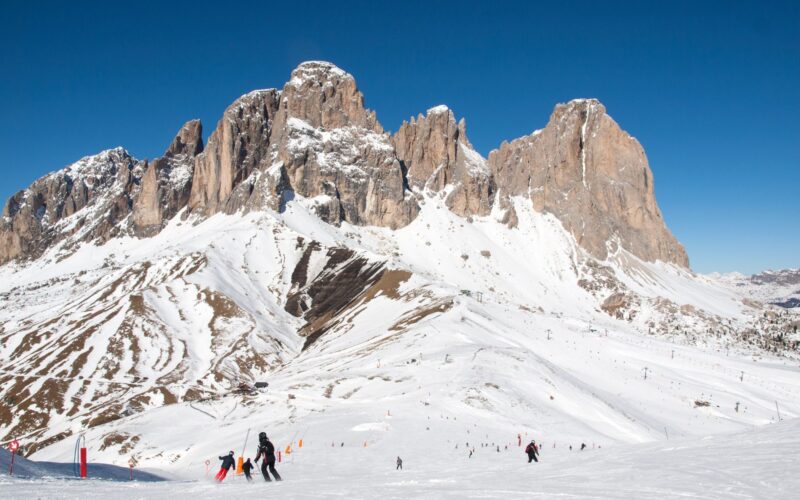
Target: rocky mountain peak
[87, 200]
[189, 140]
[235, 149]
[323, 95]
[583, 168]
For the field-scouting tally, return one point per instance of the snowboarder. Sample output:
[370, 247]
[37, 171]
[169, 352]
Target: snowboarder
[227, 463]
[399, 464]
[583, 446]
[532, 451]
[267, 450]
[247, 467]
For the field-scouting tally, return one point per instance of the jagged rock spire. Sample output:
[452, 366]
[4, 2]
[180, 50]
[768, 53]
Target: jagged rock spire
[167, 182]
[435, 153]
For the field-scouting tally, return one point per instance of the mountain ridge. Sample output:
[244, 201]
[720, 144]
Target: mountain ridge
[261, 150]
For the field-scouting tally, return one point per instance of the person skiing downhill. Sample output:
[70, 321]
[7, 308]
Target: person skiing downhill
[267, 450]
[532, 451]
[399, 464]
[227, 463]
[246, 468]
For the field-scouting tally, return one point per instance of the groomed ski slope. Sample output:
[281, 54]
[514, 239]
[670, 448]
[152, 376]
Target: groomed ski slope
[761, 463]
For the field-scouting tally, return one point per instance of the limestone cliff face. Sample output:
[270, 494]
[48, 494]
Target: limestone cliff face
[167, 181]
[592, 176]
[88, 200]
[435, 153]
[326, 146]
[235, 149]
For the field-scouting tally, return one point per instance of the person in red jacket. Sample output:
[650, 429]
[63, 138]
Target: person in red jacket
[227, 463]
[533, 451]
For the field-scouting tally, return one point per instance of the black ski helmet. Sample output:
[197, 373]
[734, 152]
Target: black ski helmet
[262, 436]
[231, 453]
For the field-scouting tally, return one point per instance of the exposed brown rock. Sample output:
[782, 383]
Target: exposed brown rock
[167, 182]
[327, 146]
[88, 199]
[235, 149]
[594, 177]
[435, 153]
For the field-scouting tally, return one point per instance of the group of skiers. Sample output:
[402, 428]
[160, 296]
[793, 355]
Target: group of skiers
[532, 450]
[265, 453]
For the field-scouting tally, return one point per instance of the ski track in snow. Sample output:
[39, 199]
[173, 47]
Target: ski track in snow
[758, 464]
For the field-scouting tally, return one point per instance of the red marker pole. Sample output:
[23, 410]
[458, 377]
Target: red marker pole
[279, 456]
[83, 462]
[13, 446]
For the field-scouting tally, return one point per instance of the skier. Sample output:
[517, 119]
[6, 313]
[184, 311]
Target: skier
[227, 463]
[532, 451]
[267, 450]
[399, 464]
[583, 446]
[247, 467]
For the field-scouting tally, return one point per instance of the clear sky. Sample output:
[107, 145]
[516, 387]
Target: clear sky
[711, 89]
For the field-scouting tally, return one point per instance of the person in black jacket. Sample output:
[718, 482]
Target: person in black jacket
[227, 463]
[247, 467]
[532, 451]
[267, 450]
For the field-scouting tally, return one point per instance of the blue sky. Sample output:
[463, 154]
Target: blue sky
[711, 89]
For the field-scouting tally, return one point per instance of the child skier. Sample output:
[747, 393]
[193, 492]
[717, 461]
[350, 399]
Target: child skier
[227, 463]
[247, 467]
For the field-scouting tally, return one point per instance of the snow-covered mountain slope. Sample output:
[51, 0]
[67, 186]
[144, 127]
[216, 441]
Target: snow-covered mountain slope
[776, 287]
[338, 319]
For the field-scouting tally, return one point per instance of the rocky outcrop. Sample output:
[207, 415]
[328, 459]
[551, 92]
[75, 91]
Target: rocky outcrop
[87, 200]
[235, 149]
[592, 176]
[167, 181]
[436, 154]
[327, 147]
